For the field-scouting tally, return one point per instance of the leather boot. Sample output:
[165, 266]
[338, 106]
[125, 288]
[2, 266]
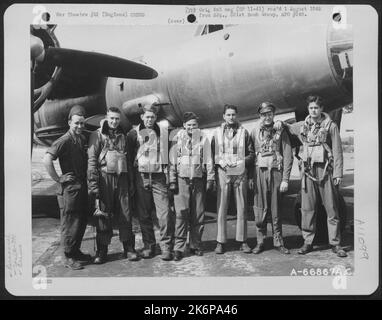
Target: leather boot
[101, 255]
[306, 248]
[219, 248]
[129, 252]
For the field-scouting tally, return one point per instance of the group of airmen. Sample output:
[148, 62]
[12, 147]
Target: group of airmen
[122, 173]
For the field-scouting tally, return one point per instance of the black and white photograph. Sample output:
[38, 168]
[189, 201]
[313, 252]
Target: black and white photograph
[216, 143]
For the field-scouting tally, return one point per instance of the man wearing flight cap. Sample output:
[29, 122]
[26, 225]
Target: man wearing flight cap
[148, 144]
[274, 161]
[191, 164]
[70, 150]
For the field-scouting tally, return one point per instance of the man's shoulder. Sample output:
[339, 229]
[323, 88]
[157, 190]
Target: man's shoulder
[57, 148]
[333, 126]
[177, 133]
[132, 132]
[254, 130]
[246, 133]
[294, 128]
[63, 139]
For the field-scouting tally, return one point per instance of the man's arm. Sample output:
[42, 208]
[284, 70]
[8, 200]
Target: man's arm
[294, 128]
[173, 157]
[56, 150]
[213, 150]
[287, 156]
[208, 159]
[249, 153]
[93, 166]
[132, 141]
[337, 152]
[49, 166]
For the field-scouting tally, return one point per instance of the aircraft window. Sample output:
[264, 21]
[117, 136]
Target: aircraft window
[214, 27]
[205, 30]
[209, 28]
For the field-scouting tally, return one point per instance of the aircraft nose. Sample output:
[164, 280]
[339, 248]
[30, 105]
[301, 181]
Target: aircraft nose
[340, 45]
[37, 48]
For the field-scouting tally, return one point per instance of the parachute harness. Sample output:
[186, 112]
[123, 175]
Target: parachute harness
[315, 134]
[269, 139]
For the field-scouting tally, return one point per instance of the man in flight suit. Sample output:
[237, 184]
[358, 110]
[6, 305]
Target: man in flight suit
[233, 156]
[149, 148]
[192, 163]
[70, 150]
[322, 168]
[274, 161]
[109, 182]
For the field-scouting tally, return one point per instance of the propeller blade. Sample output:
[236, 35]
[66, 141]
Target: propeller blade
[98, 63]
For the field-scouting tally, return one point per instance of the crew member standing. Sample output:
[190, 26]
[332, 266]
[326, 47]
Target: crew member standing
[149, 149]
[70, 150]
[322, 170]
[274, 161]
[191, 166]
[109, 182]
[233, 156]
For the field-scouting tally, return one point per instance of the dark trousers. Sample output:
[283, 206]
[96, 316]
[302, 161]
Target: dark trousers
[189, 207]
[154, 193]
[267, 201]
[330, 200]
[73, 203]
[114, 199]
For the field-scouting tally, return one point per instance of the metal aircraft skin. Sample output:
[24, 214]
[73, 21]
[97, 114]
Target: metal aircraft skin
[242, 65]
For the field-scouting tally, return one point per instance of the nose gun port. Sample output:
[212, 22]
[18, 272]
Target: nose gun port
[340, 47]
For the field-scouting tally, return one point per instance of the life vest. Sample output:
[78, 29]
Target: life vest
[231, 150]
[113, 156]
[314, 138]
[152, 152]
[191, 154]
[267, 146]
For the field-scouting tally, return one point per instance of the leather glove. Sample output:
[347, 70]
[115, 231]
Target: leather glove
[211, 185]
[173, 187]
[252, 185]
[67, 177]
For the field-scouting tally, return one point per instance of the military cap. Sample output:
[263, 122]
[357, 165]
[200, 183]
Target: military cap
[187, 116]
[266, 107]
[152, 107]
[76, 110]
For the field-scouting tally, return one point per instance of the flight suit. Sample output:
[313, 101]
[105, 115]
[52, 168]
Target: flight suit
[149, 149]
[274, 162]
[315, 161]
[192, 163]
[72, 197]
[109, 176]
[235, 145]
